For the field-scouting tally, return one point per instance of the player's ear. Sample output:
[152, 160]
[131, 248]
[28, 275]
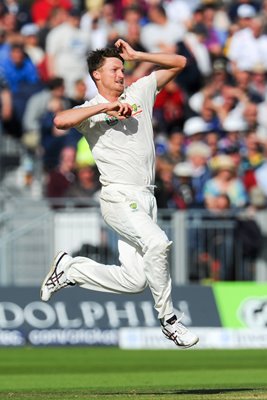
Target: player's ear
[96, 75]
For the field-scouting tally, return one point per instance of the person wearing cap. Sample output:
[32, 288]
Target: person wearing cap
[194, 129]
[184, 192]
[250, 33]
[233, 127]
[224, 182]
[198, 154]
[29, 33]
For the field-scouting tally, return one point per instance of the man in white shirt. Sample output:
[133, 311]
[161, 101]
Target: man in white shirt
[66, 48]
[160, 33]
[117, 124]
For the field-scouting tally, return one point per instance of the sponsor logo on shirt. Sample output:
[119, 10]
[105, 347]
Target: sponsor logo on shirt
[110, 120]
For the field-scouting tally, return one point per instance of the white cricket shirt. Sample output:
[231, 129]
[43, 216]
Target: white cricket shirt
[124, 150]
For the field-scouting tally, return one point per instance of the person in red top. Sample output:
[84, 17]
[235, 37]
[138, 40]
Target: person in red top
[41, 9]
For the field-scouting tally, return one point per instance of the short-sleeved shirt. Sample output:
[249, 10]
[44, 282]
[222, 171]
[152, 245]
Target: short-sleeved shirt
[124, 149]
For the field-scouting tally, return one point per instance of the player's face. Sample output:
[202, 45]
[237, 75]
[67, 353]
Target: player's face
[111, 75]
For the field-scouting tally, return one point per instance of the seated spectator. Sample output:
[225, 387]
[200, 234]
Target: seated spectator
[79, 93]
[4, 44]
[212, 140]
[37, 107]
[197, 154]
[261, 174]
[18, 69]
[53, 140]
[174, 152]
[5, 104]
[42, 9]
[164, 188]
[224, 182]
[258, 83]
[85, 187]
[233, 128]
[198, 67]
[169, 106]
[160, 34]
[213, 40]
[67, 47]
[59, 178]
[195, 129]
[29, 33]
[244, 91]
[23, 80]
[184, 197]
[253, 155]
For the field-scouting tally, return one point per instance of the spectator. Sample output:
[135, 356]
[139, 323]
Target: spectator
[85, 187]
[66, 48]
[246, 92]
[36, 107]
[179, 12]
[59, 178]
[174, 153]
[160, 34]
[79, 93]
[5, 106]
[213, 90]
[18, 69]
[4, 45]
[184, 197]
[198, 60]
[56, 17]
[53, 140]
[169, 106]
[212, 140]
[194, 129]
[233, 128]
[42, 9]
[213, 37]
[251, 33]
[32, 48]
[23, 80]
[197, 154]
[224, 182]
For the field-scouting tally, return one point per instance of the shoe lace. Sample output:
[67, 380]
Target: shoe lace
[54, 280]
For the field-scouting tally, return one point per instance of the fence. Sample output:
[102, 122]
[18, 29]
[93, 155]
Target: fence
[205, 246]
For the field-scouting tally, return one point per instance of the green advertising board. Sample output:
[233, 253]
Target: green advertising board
[241, 304]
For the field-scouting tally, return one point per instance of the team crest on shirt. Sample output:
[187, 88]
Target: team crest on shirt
[133, 206]
[136, 109]
[110, 120]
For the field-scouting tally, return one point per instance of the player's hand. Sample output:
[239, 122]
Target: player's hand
[119, 110]
[125, 50]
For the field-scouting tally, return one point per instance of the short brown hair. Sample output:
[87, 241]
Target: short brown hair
[96, 58]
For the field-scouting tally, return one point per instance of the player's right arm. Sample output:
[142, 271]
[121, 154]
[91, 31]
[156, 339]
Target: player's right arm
[70, 118]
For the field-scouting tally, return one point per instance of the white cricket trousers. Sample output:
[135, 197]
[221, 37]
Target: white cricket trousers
[143, 249]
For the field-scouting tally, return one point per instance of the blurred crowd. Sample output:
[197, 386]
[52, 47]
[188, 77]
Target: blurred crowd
[210, 124]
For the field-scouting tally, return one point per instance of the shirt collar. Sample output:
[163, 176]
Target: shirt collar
[102, 99]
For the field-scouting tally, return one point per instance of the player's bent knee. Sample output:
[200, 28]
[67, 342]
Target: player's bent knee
[140, 284]
[159, 246]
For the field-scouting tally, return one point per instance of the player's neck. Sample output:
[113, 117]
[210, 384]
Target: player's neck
[110, 95]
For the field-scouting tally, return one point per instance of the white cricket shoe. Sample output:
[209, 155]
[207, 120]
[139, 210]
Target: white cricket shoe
[56, 278]
[174, 330]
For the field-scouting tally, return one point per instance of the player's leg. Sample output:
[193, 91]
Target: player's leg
[128, 277]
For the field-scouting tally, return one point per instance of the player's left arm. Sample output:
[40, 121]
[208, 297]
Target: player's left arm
[170, 64]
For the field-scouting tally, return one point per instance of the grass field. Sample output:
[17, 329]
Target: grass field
[98, 373]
